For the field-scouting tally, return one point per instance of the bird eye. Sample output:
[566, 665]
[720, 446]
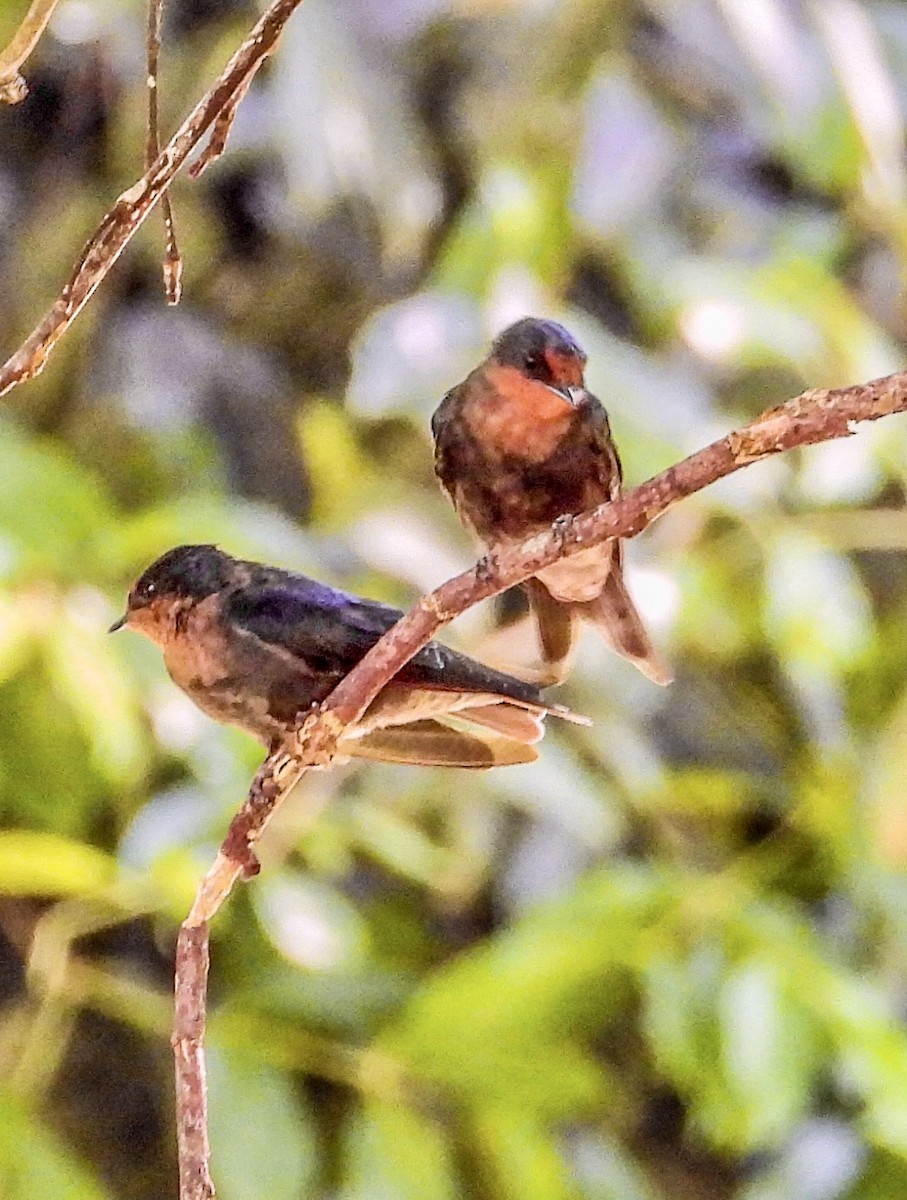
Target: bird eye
[533, 362]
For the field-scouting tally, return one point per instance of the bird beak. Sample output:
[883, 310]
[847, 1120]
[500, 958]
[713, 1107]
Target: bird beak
[573, 395]
[119, 624]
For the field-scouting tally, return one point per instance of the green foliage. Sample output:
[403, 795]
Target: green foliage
[34, 1163]
[667, 961]
[246, 1094]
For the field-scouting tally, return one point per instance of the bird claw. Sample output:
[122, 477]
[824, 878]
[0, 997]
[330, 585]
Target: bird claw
[237, 849]
[251, 866]
[487, 567]
[562, 528]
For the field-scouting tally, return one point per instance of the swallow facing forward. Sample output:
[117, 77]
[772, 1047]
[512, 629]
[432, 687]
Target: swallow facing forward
[257, 647]
[518, 444]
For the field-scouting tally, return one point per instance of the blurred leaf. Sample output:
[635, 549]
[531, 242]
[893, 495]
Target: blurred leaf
[887, 769]
[44, 864]
[740, 1034]
[817, 611]
[34, 1163]
[817, 1163]
[15, 635]
[628, 154]
[604, 1170]
[885, 1178]
[804, 289]
[50, 508]
[310, 923]
[681, 1030]
[556, 973]
[769, 1052]
[85, 670]
[392, 1152]
[343, 482]
[408, 354]
[262, 1133]
[46, 781]
[521, 1159]
[516, 224]
[872, 1047]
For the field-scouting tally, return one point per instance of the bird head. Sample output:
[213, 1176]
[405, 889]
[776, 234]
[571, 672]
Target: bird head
[546, 352]
[175, 581]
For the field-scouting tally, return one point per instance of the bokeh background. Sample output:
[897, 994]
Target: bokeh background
[669, 960]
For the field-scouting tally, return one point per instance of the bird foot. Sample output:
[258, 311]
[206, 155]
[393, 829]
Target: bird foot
[251, 866]
[562, 528]
[487, 567]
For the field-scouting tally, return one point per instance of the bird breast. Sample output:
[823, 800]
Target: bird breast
[196, 651]
[516, 417]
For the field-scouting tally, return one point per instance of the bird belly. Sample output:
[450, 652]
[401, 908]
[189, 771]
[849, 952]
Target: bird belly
[232, 689]
[228, 702]
[579, 578]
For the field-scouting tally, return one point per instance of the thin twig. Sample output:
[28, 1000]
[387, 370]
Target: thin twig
[815, 416]
[191, 986]
[13, 87]
[132, 208]
[273, 780]
[217, 143]
[173, 262]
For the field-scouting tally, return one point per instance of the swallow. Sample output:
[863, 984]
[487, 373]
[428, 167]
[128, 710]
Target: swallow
[522, 443]
[258, 647]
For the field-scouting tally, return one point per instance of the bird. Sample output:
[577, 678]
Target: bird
[257, 647]
[521, 444]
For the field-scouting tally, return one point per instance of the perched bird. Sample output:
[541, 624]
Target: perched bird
[521, 443]
[256, 646]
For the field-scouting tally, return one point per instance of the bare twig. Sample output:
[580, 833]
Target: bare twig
[173, 262]
[132, 208]
[815, 416]
[274, 779]
[13, 87]
[217, 143]
[191, 985]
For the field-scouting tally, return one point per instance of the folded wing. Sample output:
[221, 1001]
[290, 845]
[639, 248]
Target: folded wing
[442, 709]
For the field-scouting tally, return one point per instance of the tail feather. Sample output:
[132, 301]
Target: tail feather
[520, 724]
[433, 727]
[558, 631]
[614, 616]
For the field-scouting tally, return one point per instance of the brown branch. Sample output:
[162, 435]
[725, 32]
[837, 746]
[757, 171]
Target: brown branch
[13, 87]
[818, 415]
[132, 208]
[190, 988]
[815, 416]
[217, 143]
[273, 780]
[173, 262]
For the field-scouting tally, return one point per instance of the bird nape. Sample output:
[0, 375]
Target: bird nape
[257, 646]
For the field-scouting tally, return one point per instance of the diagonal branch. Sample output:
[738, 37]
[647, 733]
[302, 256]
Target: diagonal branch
[131, 209]
[818, 415]
[815, 416]
[217, 143]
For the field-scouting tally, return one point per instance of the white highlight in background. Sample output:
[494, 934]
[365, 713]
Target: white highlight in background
[713, 328]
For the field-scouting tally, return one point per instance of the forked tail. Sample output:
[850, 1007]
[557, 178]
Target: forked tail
[614, 615]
